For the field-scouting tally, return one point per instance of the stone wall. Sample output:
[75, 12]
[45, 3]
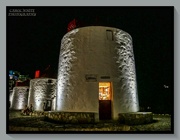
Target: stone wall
[39, 113]
[19, 97]
[70, 117]
[66, 117]
[42, 90]
[87, 54]
[136, 118]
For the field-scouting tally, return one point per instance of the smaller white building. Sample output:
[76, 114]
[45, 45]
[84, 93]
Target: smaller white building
[42, 94]
[19, 97]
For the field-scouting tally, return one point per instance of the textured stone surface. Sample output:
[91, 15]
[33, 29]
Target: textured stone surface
[125, 70]
[40, 91]
[10, 97]
[92, 51]
[39, 113]
[161, 123]
[19, 97]
[71, 117]
[136, 118]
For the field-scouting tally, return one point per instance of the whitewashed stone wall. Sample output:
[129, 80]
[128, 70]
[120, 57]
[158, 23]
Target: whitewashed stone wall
[40, 91]
[19, 97]
[94, 52]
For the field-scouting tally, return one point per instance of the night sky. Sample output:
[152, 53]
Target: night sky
[34, 43]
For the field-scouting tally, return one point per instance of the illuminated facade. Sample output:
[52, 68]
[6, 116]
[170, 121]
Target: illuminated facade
[97, 72]
[19, 97]
[42, 93]
[10, 97]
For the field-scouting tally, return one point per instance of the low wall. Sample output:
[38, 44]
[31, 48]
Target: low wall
[40, 113]
[136, 118]
[70, 117]
[66, 117]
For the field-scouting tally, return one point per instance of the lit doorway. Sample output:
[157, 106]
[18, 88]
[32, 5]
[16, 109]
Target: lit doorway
[105, 95]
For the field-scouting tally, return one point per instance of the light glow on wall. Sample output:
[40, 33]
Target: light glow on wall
[40, 91]
[19, 97]
[90, 55]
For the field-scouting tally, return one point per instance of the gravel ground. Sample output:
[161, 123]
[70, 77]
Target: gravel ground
[160, 123]
[17, 122]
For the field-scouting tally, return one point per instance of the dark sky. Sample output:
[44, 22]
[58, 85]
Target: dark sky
[34, 43]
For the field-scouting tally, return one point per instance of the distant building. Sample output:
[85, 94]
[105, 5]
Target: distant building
[18, 90]
[37, 91]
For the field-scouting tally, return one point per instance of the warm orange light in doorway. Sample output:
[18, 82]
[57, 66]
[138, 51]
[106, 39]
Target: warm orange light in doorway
[104, 91]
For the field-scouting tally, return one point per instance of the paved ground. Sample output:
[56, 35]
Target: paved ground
[18, 123]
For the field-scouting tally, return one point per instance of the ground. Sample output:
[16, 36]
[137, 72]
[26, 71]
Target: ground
[18, 123]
